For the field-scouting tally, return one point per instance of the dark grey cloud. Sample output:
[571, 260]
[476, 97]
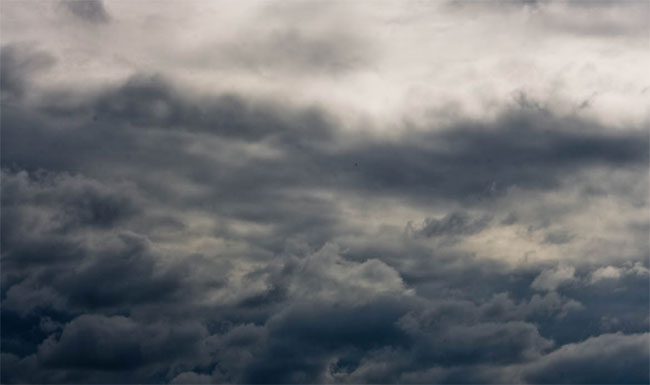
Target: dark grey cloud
[116, 343]
[80, 202]
[92, 11]
[19, 63]
[148, 120]
[151, 234]
[469, 161]
[297, 351]
[588, 362]
[456, 223]
[557, 237]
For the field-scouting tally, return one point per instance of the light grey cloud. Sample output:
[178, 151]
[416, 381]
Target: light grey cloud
[552, 278]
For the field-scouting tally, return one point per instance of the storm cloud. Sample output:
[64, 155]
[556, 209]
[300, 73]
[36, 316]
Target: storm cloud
[324, 192]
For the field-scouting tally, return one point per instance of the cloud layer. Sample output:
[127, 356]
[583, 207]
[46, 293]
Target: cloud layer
[446, 192]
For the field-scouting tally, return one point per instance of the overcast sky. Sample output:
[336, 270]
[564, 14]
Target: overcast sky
[325, 192]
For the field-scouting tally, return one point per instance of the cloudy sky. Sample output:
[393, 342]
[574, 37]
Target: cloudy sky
[325, 192]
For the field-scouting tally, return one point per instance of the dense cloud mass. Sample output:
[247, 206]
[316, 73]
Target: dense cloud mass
[318, 192]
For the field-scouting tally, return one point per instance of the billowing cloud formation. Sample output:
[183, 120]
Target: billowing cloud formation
[324, 192]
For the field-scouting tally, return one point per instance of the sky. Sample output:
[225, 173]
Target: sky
[325, 192]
